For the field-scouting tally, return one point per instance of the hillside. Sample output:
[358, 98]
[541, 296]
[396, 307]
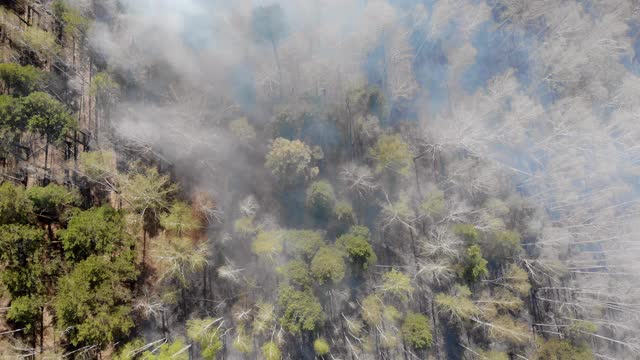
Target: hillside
[327, 179]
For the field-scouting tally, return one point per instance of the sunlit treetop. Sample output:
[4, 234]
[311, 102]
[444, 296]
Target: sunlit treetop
[391, 154]
[291, 161]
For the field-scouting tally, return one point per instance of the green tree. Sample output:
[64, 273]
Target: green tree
[180, 219]
[75, 25]
[26, 312]
[96, 231]
[517, 279]
[130, 350]
[301, 311]
[147, 192]
[290, 161]
[15, 205]
[267, 244]
[270, 351]
[372, 310]
[179, 257]
[242, 129]
[457, 306]
[502, 245]
[433, 205]
[10, 124]
[47, 116]
[467, 232]
[206, 334]
[321, 347]
[176, 350]
[392, 154]
[357, 247]
[41, 43]
[303, 243]
[562, 350]
[474, 266]
[93, 301]
[20, 80]
[327, 265]
[396, 284]
[52, 200]
[297, 271]
[107, 92]
[321, 199]
[21, 254]
[345, 218]
[416, 331]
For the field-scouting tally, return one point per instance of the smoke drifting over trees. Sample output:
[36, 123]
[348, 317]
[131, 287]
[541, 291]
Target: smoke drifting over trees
[484, 96]
[348, 179]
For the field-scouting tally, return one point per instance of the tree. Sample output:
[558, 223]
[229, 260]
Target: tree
[24, 266]
[176, 350]
[502, 245]
[297, 271]
[302, 244]
[301, 311]
[180, 219]
[242, 129]
[391, 154]
[130, 350]
[93, 301]
[243, 342]
[46, 116]
[327, 265]
[467, 232]
[357, 247]
[517, 279]
[20, 80]
[107, 91]
[267, 244]
[416, 331]
[15, 205]
[207, 334]
[178, 257]
[321, 199]
[268, 25]
[26, 312]
[457, 306]
[74, 23]
[397, 285]
[321, 347]
[270, 351]
[562, 350]
[11, 125]
[42, 43]
[98, 231]
[372, 310]
[344, 216]
[290, 161]
[21, 252]
[52, 200]
[474, 266]
[147, 192]
[433, 206]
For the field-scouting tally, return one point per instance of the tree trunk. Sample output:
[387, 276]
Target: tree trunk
[144, 247]
[46, 161]
[277, 58]
[41, 330]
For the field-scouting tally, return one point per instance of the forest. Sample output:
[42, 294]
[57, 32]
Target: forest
[321, 179]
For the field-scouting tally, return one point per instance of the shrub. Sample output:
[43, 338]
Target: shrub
[416, 331]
